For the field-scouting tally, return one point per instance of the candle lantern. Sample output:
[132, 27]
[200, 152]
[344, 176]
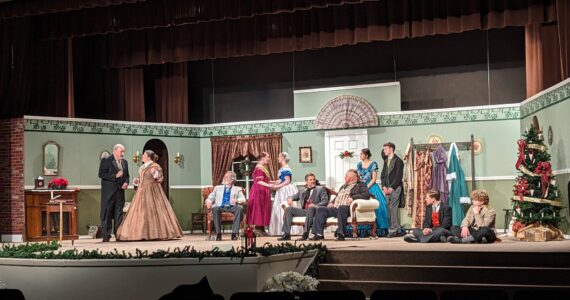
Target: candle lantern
[248, 239]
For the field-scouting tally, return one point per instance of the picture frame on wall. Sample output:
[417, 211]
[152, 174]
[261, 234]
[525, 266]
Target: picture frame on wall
[51, 158]
[305, 154]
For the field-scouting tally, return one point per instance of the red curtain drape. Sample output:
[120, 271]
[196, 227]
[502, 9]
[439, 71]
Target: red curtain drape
[18, 9]
[546, 47]
[233, 33]
[170, 84]
[131, 93]
[226, 149]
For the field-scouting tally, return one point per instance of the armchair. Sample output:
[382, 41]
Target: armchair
[226, 217]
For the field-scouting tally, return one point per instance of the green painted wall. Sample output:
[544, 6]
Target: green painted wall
[383, 98]
[79, 157]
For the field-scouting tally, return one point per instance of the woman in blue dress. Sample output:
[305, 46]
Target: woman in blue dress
[368, 171]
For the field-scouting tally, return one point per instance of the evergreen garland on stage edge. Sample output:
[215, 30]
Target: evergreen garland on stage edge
[536, 191]
[50, 251]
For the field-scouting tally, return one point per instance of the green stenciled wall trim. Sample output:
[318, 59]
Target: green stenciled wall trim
[549, 97]
[450, 116]
[285, 126]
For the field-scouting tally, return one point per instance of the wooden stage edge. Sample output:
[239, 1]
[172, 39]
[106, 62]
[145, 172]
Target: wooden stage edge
[199, 242]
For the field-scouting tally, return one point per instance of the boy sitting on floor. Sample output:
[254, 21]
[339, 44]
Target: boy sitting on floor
[478, 226]
[436, 224]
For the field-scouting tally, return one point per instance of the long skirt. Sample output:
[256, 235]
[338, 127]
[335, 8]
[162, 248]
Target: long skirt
[276, 222]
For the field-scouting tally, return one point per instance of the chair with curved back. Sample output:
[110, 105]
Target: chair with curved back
[362, 212]
[226, 217]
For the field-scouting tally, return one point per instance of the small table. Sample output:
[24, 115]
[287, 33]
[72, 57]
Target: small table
[59, 203]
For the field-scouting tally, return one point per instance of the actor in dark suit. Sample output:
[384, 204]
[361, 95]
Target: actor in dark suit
[114, 174]
[352, 189]
[392, 186]
[437, 222]
[308, 199]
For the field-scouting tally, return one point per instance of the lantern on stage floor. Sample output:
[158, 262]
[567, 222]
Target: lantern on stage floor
[248, 239]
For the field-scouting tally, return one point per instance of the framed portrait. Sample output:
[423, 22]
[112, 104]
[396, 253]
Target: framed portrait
[305, 154]
[51, 158]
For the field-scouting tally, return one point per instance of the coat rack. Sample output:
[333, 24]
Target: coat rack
[461, 146]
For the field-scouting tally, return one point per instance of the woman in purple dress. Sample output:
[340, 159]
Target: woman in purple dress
[259, 204]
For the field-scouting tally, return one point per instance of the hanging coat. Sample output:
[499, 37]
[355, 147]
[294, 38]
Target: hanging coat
[439, 181]
[458, 187]
[422, 183]
[409, 179]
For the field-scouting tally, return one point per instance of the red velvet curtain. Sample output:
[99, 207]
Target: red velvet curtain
[197, 30]
[25, 8]
[131, 93]
[226, 149]
[170, 85]
[33, 74]
[546, 47]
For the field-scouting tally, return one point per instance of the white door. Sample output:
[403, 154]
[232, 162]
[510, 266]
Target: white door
[337, 142]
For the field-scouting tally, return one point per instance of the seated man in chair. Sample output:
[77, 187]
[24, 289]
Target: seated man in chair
[352, 189]
[226, 198]
[309, 198]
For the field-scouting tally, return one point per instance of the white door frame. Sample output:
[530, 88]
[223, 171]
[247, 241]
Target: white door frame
[328, 135]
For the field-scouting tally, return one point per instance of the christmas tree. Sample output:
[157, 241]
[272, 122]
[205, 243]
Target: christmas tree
[535, 201]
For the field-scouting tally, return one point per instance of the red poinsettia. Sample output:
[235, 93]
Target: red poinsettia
[345, 154]
[58, 183]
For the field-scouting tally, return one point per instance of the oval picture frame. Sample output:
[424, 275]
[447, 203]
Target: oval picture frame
[50, 153]
[550, 135]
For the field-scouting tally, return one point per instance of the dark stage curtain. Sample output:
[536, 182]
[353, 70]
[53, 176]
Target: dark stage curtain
[226, 149]
[244, 31]
[547, 51]
[167, 90]
[33, 74]
[25, 8]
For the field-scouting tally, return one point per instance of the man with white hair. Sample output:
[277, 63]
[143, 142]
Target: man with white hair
[114, 174]
[226, 198]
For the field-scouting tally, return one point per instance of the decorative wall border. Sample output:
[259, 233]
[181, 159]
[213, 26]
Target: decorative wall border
[549, 97]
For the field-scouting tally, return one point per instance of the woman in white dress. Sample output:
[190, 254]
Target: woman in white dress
[285, 188]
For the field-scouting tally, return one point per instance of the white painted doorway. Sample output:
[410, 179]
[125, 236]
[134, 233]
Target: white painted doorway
[336, 142]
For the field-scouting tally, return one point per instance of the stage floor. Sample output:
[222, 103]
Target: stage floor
[198, 241]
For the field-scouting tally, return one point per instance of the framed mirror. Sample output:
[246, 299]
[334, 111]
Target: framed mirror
[51, 158]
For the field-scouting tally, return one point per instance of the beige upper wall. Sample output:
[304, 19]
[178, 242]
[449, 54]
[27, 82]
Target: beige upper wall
[384, 97]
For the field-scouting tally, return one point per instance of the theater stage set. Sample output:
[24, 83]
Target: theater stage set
[326, 116]
[365, 264]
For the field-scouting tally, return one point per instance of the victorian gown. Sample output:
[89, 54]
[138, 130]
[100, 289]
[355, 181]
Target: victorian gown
[366, 175]
[281, 195]
[150, 215]
[259, 204]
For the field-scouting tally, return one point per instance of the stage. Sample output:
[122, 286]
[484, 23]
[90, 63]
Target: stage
[365, 264]
[198, 241]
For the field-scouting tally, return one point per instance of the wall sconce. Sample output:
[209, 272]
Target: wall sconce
[136, 158]
[178, 159]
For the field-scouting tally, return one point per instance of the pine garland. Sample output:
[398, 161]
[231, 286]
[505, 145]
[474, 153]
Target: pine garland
[50, 251]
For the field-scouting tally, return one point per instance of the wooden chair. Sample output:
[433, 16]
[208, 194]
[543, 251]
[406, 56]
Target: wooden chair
[198, 219]
[362, 212]
[226, 217]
